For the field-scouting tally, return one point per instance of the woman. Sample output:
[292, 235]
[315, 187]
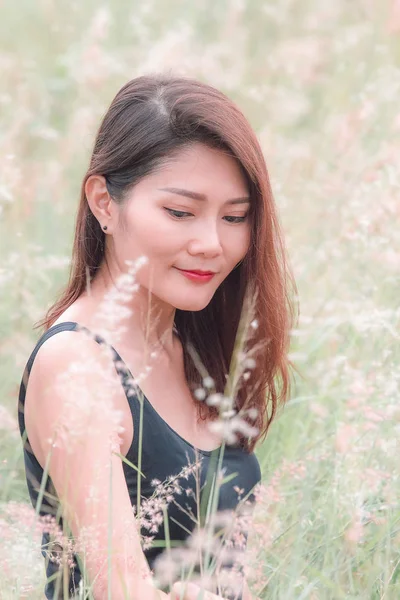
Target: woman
[177, 176]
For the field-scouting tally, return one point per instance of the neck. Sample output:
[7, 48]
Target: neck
[125, 311]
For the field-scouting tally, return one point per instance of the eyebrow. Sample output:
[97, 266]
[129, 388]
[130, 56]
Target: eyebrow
[198, 196]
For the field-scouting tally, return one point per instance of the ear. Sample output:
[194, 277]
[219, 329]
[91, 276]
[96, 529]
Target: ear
[100, 201]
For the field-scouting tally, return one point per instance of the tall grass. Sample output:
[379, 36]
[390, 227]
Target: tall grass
[320, 83]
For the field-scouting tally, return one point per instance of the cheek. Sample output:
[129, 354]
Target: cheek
[248, 238]
[148, 233]
[242, 245]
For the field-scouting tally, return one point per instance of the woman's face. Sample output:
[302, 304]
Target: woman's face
[175, 231]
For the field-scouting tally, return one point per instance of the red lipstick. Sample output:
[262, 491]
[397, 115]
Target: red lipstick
[199, 276]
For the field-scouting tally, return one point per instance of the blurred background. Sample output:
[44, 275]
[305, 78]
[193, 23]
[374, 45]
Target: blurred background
[319, 81]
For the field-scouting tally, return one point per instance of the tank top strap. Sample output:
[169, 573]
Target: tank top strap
[129, 384]
[123, 371]
[137, 400]
[67, 326]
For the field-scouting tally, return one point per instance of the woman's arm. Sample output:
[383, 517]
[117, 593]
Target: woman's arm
[87, 475]
[190, 591]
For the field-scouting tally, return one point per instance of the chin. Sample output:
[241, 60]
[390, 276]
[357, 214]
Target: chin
[189, 304]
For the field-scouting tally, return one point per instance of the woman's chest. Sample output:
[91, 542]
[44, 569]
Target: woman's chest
[168, 393]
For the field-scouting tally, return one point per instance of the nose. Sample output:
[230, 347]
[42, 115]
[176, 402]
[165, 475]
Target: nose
[207, 241]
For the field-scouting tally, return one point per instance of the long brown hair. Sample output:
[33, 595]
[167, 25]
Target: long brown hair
[151, 118]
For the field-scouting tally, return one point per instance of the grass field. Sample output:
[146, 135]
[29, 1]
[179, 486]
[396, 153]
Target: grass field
[320, 83]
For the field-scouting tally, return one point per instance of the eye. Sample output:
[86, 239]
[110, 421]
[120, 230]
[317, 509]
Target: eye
[177, 213]
[237, 219]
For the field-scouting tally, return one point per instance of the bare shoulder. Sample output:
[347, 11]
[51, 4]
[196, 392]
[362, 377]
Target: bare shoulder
[76, 351]
[71, 380]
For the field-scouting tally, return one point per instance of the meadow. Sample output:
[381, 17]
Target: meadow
[320, 83]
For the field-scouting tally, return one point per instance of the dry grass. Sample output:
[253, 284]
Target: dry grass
[320, 83]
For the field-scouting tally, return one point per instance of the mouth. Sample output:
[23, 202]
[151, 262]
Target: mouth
[197, 275]
[198, 272]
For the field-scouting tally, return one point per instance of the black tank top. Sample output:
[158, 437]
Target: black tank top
[164, 454]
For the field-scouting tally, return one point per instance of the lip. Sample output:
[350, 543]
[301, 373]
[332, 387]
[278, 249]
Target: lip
[200, 276]
[198, 272]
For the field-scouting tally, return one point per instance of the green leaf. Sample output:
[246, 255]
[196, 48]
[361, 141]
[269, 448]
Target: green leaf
[128, 462]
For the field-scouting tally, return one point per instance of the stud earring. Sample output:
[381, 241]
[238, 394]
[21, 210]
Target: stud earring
[105, 227]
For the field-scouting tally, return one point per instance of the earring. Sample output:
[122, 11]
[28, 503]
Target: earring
[105, 227]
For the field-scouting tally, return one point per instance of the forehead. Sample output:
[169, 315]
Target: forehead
[199, 168]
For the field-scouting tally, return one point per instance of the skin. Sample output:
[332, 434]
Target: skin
[203, 239]
[191, 591]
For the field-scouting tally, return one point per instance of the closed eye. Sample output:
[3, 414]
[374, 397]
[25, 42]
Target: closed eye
[179, 214]
[237, 219]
